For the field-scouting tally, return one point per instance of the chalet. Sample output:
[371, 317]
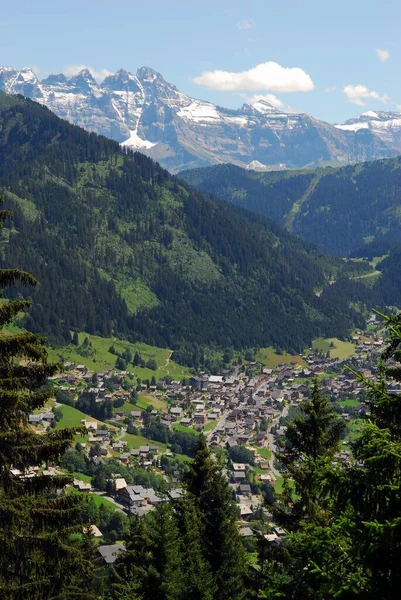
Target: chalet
[110, 552]
[35, 419]
[244, 489]
[238, 476]
[200, 418]
[124, 458]
[232, 442]
[130, 497]
[82, 486]
[199, 383]
[120, 483]
[260, 438]
[238, 467]
[245, 511]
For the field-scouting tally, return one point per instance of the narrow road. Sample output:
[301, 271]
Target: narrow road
[219, 423]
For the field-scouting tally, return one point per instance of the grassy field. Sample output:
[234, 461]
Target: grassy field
[184, 429]
[340, 349]
[349, 403]
[145, 400]
[260, 471]
[102, 501]
[98, 500]
[211, 425]
[278, 486]
[135, 441]
[270, 359]
[72, 417]
[265, 452]
[100, 358]
[82, 477]
[183, 458]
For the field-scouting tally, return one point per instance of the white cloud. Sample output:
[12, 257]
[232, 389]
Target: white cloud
[36, 69]
[398, 107]
[270, 98]
[246, 24]
[330, 89]
[357, 94]
[98, 75]
[269, 76]
[382, 54]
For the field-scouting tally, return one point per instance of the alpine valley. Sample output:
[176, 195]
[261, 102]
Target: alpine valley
[133, 251]
[145, 112]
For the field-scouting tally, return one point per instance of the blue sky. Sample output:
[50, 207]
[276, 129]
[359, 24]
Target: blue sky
[316, 56]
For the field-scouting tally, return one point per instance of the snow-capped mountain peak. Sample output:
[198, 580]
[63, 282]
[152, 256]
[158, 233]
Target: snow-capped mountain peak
[385, 125]
[264, 107]
[145, 112]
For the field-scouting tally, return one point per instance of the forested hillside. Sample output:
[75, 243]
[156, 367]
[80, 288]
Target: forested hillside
[120, 246]
[340, 210]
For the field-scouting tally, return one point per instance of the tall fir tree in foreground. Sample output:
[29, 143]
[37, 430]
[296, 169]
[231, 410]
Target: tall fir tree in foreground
[190, 549]
[311, 437]
[223, 550]
[41, 556]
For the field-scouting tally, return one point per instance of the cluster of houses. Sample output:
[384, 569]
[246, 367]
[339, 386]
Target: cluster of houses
[233, 409]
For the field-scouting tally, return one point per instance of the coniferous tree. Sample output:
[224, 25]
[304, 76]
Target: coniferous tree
[355, 551]
[198, 580]
[40, 559]
[373, 484]
[221, 543]
[312, 436]
[151, 567]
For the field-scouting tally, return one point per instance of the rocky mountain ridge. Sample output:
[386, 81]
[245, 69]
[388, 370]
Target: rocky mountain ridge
[145, 112]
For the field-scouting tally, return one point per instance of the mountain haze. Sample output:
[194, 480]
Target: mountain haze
[120, 246]
[145, 112]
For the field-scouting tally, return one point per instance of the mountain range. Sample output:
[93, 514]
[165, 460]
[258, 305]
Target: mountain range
[122, 247]
[146, 113]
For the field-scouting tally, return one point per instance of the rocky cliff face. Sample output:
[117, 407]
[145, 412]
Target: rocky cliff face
[147, 113]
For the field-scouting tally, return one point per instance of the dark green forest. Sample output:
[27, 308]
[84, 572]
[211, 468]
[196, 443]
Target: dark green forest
[121, 247]
[338, 209]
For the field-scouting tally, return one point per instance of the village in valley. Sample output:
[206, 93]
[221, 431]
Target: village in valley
[138, 437]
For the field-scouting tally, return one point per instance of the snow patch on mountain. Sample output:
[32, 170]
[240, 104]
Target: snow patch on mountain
[134, 141]
[353, 126]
